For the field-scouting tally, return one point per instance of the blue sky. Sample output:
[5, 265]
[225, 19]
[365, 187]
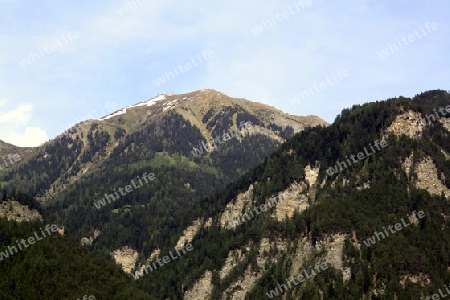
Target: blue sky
[98, 58]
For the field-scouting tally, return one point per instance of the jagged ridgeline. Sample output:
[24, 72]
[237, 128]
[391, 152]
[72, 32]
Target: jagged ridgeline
[329, 219]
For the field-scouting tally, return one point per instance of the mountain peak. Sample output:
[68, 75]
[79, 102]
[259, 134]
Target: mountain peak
[197, 106]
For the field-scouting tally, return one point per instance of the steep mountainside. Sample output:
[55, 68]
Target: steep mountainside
[163, 138]
[41, 264]
[356, 210]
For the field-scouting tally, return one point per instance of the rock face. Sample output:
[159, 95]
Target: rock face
[233, 259]
[88, 241]
[191, 231]
[334, 246]
[245, 283]
[427, 177]
[447, 156]
[15, 211]
[334, 249]
[407, 164]
[232, 210]
[311, 175]
[409, 123]
[290, 200]
[286, 202]
[202, 288]
[446, 123]
[140, 270]
[126, 257]
[208, 223]
[188, 234]
[303, 252]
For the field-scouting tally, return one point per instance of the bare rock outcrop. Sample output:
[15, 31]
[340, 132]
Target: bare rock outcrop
[311, 175]
[233, 210]
[15, 211]
[334, 249]
[88, 241]
[407, 164]
[334, 246]
[233, 259]
[188, 234]
[427, 177]
[303, 252]
[246, 283]
[202, 289]
[289, 200]
[126, 257]
[140, 269]
[409, 123]
[446, 123]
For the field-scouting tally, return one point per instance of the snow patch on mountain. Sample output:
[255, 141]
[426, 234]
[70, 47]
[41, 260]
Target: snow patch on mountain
[171, 104]
[144, 103]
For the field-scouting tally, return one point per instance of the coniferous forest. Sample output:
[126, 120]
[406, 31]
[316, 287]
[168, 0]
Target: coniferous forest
[336, 206]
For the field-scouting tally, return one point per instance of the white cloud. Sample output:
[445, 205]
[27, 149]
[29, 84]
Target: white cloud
[32, 137]
[19, 115]
[15, 129]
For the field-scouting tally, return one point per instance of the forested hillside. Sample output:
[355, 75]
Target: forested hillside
[96, 158]
[55, 266]
[357, 202]
[317, 218]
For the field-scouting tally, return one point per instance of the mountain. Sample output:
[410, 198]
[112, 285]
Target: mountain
[377, 227]
[357, 209]
[53, 265]
[10, 154]
[79, 178]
